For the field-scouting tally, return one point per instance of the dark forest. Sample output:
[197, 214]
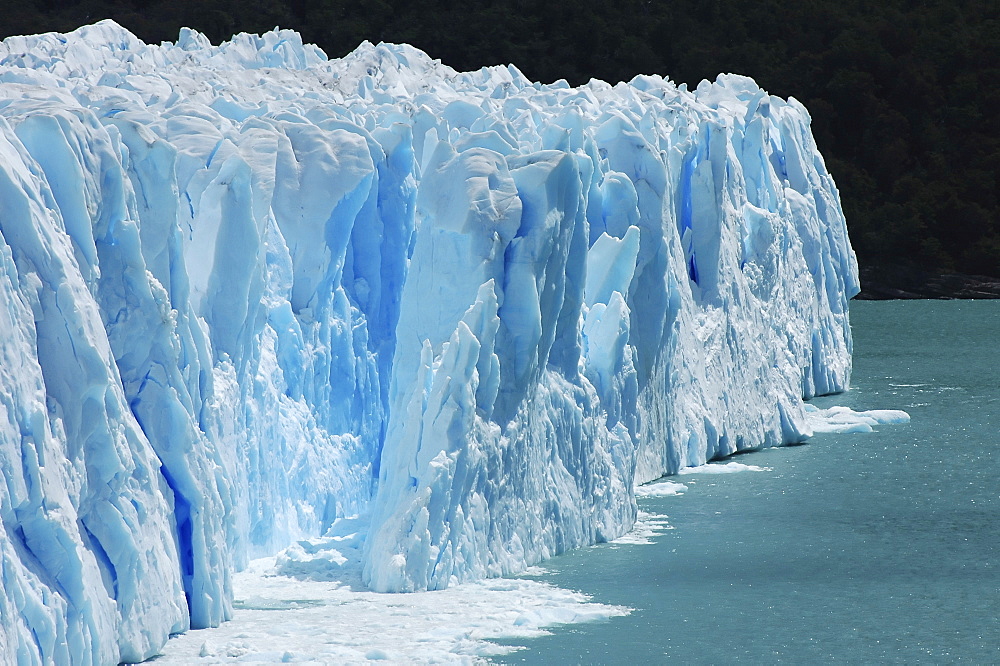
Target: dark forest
[904, 95]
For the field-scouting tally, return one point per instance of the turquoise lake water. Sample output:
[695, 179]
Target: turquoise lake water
[859, 548]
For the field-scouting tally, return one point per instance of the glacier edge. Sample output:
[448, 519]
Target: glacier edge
[249, 291]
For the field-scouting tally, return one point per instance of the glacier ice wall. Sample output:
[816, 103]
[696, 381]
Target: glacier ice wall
[248, 290]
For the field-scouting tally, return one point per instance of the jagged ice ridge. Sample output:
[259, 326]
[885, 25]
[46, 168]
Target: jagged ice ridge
[248, 292]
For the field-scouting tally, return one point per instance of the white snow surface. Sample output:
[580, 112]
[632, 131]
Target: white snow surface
[248, 291]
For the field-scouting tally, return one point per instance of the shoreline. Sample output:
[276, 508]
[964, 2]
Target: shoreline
[899, 283]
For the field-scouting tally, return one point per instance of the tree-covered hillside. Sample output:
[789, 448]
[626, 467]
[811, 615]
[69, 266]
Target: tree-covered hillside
[904, 95]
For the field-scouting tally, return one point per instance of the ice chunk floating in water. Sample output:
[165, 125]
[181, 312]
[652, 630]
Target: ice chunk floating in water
[248, 291]
[845, 419]
[660, 489]
[730, 467]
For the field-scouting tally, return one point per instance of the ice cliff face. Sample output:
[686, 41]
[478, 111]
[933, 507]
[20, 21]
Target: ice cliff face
[247, 291]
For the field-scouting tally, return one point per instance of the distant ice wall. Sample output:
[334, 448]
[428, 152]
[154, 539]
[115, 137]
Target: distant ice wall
[248, 290]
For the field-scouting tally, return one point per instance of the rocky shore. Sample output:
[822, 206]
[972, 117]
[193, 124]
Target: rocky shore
[897, 282]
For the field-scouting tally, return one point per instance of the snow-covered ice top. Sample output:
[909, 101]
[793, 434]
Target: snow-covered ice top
[249, 291]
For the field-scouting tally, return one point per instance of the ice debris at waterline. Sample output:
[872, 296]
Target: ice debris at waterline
[248, 290]
[282, 619]
[846, 420]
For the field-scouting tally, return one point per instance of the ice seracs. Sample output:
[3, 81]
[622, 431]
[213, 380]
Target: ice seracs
[249, 291]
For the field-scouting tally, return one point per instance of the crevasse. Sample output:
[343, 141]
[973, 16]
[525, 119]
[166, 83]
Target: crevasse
[248, 291]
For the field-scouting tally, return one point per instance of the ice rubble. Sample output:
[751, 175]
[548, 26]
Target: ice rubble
[846, 420]
[249, 291]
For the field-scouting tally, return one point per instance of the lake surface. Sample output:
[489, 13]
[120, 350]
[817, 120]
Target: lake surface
[858, 548]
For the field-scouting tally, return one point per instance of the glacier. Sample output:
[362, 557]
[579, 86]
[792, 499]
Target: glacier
[250, 293]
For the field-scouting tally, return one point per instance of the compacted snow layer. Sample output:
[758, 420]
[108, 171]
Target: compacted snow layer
[248, 291]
